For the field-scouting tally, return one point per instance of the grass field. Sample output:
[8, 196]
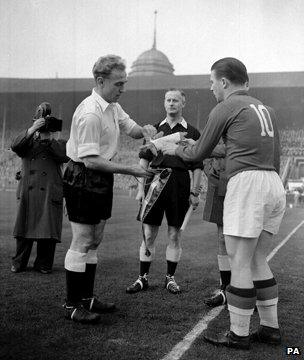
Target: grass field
[147, 325]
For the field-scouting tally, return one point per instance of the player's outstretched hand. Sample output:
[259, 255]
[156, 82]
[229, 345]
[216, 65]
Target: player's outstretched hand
[169, 148]
[138, 171]
[149, 146]
[187, 142]
[148, 131]
[158, 135]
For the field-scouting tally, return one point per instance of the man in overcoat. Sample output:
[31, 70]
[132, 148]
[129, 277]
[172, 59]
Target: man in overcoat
[39, 197]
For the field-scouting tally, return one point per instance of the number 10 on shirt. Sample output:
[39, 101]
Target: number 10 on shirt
[264, 118]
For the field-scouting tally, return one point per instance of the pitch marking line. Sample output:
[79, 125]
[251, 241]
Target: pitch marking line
[179, 349]
[283, 242]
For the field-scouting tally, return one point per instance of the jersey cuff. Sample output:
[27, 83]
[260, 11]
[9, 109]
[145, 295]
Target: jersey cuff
[130, 128]
[88, 149]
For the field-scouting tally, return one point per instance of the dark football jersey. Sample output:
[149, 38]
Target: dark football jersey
[249, 131]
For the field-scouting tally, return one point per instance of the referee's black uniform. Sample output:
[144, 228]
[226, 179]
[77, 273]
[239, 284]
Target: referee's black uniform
[174, 199]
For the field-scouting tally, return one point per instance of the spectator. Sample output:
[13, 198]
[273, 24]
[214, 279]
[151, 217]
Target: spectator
[39, 196]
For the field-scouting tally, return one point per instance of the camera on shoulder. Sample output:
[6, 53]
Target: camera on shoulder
[52, 124]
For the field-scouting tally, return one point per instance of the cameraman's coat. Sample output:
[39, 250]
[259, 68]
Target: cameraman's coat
[39, 193]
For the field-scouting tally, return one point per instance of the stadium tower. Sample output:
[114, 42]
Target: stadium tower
[152, 62]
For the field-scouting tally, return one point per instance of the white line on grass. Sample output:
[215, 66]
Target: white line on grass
[179, 349]
[284, 241]
[187, 341]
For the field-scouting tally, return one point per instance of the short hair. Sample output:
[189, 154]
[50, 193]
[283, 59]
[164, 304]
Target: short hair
[106, 64]
[183, 95]
[232, 69]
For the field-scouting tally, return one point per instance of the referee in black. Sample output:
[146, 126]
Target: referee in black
[175, 198]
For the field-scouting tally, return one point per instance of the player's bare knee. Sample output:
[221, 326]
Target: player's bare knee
[83, 237]
[150, 232]
[150, 241]
[174, 236]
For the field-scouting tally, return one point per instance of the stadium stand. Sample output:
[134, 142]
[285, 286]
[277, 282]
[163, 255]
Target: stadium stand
[292, 142]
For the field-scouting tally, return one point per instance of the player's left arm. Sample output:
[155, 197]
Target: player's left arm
[209, 138]
[130, 127]
[195, 188]
[146, 131]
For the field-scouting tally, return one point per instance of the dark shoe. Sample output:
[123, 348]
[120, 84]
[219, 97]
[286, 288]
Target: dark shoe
[96, 306]
[216, 300]
[43, 271]
[79, 314]
[15, 269]
[229, 339]
[171, 285]
[140, 284]
[267, 335]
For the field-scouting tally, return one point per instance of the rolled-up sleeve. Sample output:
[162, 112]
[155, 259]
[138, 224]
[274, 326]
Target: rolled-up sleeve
[126, 124]
[88, 133]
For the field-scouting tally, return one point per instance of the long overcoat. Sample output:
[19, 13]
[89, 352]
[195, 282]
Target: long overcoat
[39, 193]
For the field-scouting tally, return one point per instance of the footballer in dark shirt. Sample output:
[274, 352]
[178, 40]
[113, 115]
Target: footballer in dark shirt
[254, 203]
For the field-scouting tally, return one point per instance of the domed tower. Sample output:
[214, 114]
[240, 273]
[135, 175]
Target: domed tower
[152, 62]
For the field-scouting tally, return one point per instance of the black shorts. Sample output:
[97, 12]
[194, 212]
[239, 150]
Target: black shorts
[214, 205]
[173, 201]
[88, 194]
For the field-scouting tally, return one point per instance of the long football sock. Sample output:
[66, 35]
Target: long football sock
[144, 267]
[75, 263]
[145, 261]
[90, 271]
[267, 302]
[225, 273]
[241, 304]
[171, 267]
[173, 256]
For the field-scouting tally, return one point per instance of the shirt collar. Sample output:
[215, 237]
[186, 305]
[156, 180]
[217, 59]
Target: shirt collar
[238, 92]
[101, 101]
[183, 123]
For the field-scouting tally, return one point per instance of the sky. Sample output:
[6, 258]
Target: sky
[63, 38]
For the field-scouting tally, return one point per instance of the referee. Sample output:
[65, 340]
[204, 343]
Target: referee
[175, 198]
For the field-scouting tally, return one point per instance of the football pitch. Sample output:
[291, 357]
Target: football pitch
[153, 324]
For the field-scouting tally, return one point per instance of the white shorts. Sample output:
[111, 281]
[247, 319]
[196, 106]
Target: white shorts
[255, 200]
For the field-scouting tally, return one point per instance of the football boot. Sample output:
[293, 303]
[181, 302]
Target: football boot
[79, 314]
[228, 339]
[267, 335]
[140, 284]
[171, 285]
[216, 300]
[96, 306]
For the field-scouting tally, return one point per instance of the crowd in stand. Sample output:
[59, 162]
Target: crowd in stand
[292, 142]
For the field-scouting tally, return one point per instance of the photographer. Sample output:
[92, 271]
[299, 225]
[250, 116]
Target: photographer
[39, 193]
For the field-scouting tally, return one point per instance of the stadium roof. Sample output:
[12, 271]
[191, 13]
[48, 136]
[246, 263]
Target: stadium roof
[276, 79]
[152, 62]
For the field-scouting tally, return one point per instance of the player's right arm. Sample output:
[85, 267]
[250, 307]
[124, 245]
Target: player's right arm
[209, 138]
[96, 162]
[89, 128]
